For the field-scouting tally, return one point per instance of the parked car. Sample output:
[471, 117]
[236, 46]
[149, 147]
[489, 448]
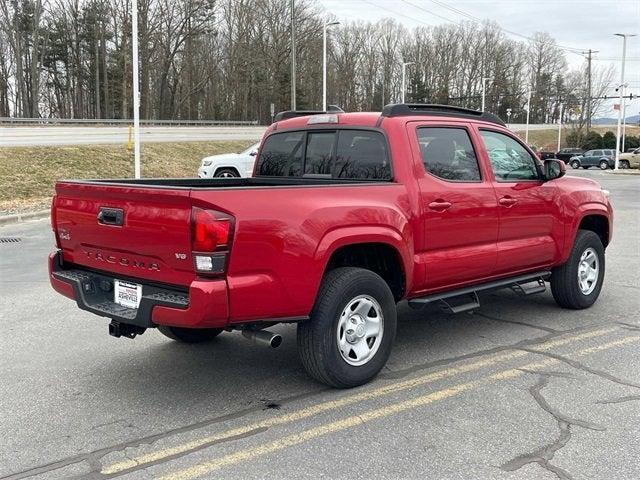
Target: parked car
[229, 165]
[565, 154]
[630, 160]
[346, 215]
[594, 158]
[543, 155]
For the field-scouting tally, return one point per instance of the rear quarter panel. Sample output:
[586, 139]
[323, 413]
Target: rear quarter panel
[284, 237]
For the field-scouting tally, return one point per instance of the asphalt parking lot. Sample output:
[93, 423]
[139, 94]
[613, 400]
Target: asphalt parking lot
[519, 389]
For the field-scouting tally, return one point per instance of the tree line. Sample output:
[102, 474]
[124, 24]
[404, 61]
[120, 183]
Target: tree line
[231, 59]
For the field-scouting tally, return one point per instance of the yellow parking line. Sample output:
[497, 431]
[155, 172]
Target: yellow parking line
[335, 404]
[365, 417]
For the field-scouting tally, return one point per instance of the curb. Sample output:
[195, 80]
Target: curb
[629, 171]
[22, 217]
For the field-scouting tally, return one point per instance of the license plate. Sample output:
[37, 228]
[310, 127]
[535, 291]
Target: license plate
[127, 294]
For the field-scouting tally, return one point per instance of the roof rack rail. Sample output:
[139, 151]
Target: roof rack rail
[303, 113]
[406, 109]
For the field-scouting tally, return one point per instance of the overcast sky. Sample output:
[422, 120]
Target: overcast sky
[582, 24]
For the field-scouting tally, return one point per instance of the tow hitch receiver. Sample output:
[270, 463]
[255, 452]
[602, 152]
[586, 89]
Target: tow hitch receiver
[117, 329]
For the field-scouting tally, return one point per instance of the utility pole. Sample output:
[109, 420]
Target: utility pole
[622, 86]
[293, 57]
[136, 89]
[589, 89]
[559, 128]
[327, 24]
[484, 90]
[526, 128]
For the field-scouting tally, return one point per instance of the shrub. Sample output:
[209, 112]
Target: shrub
[592, 140]
[609, 140]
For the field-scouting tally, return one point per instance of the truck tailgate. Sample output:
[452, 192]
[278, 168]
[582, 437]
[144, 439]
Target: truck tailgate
[141, 233]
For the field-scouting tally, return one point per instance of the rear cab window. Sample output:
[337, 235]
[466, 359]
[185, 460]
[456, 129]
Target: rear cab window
[350, 154]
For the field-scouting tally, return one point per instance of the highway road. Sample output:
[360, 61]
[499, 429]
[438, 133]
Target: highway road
[519, 389]
[87, 135]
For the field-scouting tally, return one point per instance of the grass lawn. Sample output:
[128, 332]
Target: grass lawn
[27, 174]
[547, 140]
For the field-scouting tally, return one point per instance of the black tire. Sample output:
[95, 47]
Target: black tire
[575, 164]
[564, 279]
[226, 173]
[318, 337]
[624, 164]
[189, 335]
[604, 165]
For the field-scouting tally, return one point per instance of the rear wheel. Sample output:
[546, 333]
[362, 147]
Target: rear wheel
[624, 164]
[575, 164]
[578, 282]
[349, 336]
[226, 173]
[189, 335]
[604, 165]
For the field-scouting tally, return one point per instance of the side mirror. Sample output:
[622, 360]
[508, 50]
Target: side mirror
[253, 153]
[554, 168]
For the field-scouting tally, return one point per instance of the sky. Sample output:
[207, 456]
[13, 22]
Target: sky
[578, 24]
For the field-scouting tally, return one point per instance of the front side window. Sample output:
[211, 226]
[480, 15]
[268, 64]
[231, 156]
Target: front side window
[281, 155]
[447, 153]
[510, 161]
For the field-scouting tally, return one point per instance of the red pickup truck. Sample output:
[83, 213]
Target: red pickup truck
[346, 215]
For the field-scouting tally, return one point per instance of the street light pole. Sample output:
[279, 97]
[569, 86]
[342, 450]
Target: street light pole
[622, 85]
[293, 57]
[404, 78]
[484, 90]
[324, 62]
[559, 128]
[526, 128]
[136, 89]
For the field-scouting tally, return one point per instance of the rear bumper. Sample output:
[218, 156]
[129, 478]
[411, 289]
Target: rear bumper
[204, 305]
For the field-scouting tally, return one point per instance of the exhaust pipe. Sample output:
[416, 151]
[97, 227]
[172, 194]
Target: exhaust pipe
[262, 337]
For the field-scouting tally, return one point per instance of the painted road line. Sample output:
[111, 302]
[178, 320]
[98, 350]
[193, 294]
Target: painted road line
[335, 404]
[365, 417]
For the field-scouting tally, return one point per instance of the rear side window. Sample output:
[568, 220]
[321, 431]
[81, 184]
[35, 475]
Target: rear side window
[361, 155]
[346, 154]
[281, 155]
[447, 153]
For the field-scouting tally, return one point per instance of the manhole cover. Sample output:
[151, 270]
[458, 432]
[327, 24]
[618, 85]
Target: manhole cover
[10, 240]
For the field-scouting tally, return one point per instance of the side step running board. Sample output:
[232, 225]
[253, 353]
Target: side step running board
[465, 299]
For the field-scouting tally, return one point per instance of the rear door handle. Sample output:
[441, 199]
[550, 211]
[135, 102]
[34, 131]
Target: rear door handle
[439, 205]
[507, 201]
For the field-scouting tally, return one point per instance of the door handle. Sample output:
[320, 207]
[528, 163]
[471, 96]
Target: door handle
[507, 201]
[111, 216]
[439, 205]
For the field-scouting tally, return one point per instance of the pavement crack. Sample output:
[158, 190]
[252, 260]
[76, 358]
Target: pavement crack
[516, 322]
[549, 373]
[545, 454]
[629, 326]
[580, 366]
[627, 398]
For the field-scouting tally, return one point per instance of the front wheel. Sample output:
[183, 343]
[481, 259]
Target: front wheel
[575, 164]
[604, 165]
[578, 282]
[624, 164]
[348, 338]
[189, 335]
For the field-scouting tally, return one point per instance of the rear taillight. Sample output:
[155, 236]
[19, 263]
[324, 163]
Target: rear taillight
[211, 235]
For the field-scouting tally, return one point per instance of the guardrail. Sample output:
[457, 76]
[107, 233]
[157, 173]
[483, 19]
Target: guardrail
[122, 121]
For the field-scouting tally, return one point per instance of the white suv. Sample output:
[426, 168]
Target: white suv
[228, 165]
